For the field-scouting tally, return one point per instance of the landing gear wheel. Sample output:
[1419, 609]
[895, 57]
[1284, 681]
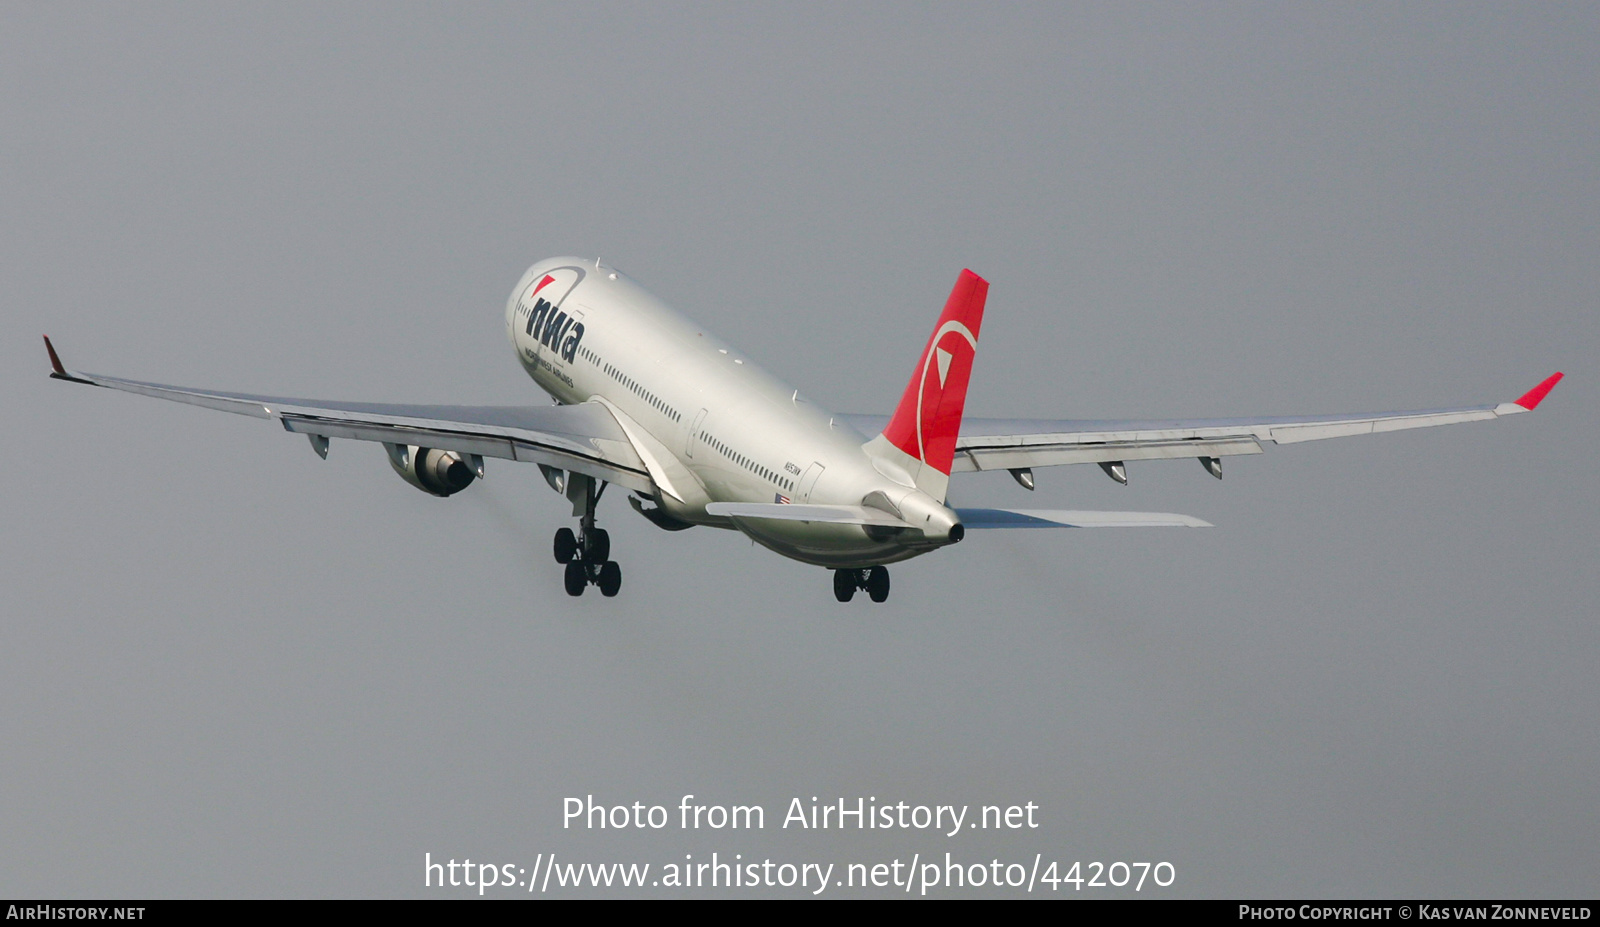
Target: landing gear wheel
[878, 583]
[844, 585]
[610, 578]
[597, 546]
[577, 577]
[587, 554]
[566, 547]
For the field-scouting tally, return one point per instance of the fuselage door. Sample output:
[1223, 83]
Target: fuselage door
[808, 482]
[692, 442]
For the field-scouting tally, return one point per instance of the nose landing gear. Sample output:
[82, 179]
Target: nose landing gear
[873, 579]
[587, 554]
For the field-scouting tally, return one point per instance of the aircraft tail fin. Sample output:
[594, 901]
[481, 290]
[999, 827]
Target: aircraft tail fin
[920, 440]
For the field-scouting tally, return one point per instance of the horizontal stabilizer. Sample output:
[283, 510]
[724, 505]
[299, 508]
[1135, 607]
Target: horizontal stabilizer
[837, 514]
[1049, 518]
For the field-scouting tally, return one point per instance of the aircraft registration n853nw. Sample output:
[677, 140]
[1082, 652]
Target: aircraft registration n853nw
[648, 400]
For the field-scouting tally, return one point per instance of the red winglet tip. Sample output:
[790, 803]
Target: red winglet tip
[1531, 399]
[55, 361]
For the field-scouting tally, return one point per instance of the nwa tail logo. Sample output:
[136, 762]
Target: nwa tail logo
[545, 321]
[928, 420]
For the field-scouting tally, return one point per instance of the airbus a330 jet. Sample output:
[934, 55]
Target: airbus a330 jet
[699, 435]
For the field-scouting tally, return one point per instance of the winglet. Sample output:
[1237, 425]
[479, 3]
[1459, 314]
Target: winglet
[57, 371]
[1533, 397]
[55, 361]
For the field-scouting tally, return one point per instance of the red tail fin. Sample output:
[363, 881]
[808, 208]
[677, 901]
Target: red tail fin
[928, 419]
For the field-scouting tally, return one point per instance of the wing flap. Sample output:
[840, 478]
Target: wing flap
[980, 457]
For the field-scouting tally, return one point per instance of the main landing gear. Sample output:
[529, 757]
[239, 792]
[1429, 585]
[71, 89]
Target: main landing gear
[587, 554]
[874, 579]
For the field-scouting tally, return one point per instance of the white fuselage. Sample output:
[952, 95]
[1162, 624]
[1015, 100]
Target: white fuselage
[715, 426]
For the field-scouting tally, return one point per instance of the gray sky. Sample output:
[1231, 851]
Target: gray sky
[230, 668]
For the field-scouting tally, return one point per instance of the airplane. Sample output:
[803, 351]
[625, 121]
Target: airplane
[649, 400]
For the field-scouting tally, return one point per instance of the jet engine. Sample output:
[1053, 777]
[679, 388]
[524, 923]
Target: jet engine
[439, 473]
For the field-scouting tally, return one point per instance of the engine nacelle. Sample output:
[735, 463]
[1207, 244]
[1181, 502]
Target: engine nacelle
[436, 472]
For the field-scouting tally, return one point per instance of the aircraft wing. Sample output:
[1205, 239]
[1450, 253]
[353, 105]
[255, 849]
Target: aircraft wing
[1006, 444]
[584, 438]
